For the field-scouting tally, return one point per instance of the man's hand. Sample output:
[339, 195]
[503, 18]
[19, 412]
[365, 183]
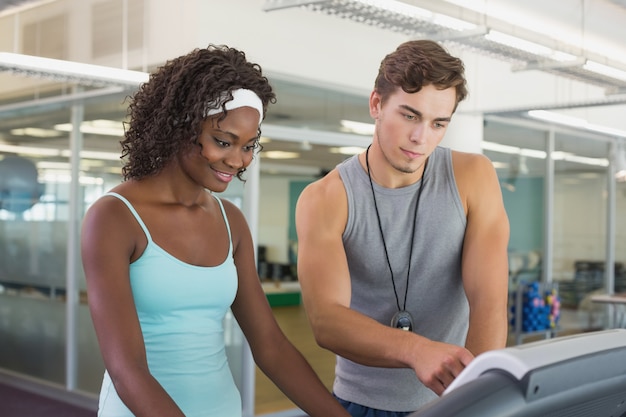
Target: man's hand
[438, 364]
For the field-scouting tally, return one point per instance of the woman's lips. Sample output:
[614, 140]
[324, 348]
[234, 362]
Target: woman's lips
[224, 176]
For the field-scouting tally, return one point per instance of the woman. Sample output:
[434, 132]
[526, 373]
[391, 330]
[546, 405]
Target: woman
[165, 259]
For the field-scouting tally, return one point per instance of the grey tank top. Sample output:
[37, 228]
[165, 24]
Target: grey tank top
[436, 298]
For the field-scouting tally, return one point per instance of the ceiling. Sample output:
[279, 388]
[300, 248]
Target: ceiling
[303, 107]
[7, 4]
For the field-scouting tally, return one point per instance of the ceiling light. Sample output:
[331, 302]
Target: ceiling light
[385, 14]
[498, 147]
[513, 150]
[53, 165]
[500, 165]
[280, 155]
[605, 70]
[549, 116]
[398, 16]
[108, 156]
[67, 71]
[570, 157]
[346, 150]
[96, 127]
[533, 153]
[64, 177]
[359, 128]
[575, 122]
[66, 153]
[35, 132]
[527, 46]
[420, 14]
[28, 150]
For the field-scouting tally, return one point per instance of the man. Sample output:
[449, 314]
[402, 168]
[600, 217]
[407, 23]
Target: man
[402, 253]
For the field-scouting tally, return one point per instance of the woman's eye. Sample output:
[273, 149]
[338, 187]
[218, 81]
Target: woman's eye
[221, 142]
[252, 147]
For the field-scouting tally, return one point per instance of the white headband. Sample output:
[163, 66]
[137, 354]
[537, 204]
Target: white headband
[241, 98]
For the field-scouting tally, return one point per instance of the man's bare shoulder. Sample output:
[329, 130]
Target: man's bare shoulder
[475, 177]
[468, 161]
[323, 205]
[328, 188]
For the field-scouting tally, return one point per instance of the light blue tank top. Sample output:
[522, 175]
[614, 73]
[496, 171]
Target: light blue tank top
[181, 308]
[436, 298]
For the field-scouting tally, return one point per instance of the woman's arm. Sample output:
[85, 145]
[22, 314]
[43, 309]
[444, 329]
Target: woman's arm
[275, 355]
[109, 238]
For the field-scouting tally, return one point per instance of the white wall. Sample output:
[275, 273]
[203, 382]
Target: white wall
[274, 217]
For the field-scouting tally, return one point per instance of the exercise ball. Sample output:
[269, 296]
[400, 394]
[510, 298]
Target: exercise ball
[19, 188]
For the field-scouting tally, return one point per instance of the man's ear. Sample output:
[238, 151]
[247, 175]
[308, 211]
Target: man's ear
[375, 104]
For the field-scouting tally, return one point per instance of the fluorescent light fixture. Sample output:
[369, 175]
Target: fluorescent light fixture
[288, 169]
[35, 132]
[66, 153]
[513, 150]
[53, 165]
[346, 150]
[64, 177]
[28, 150]
[108, 156]
[498, 147]
[96, 127]
[576, 122]
[557, 118]
[280, 155]
[605, 70]
[417, 13]
[68, 71]
[399, 7]
[570, 157]
[527, 46]
[359, 128]
[499, 165]
[533, 153]
[388, 14]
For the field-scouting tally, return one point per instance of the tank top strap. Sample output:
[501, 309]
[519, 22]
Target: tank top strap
[230, 237]
[145, 229]
[134, 212]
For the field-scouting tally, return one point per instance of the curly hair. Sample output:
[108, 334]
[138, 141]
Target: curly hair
[415, 64]
[166, 113]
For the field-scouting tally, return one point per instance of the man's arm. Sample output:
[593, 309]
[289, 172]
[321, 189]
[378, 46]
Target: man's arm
[485, 260]
[321, 216]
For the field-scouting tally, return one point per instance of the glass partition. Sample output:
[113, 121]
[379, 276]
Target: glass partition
[35, 149]
[580, 226]
[620, 238]
[519, 156]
